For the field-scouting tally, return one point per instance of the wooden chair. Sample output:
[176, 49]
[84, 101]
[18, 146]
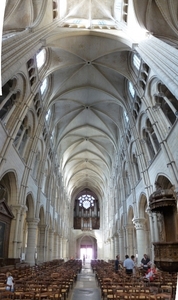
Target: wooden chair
[18, 295]
[166, 292]
[140, 296]
[28, 295]
[166, 289]
[121, 295]
[48, 296]
[162, 296]
[6, 295]
[2, 286]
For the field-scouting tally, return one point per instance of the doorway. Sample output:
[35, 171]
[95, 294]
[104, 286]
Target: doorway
[86, 253]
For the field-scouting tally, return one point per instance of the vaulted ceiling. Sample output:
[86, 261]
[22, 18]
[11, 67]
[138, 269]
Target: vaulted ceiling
[88, 63]
[89, 66]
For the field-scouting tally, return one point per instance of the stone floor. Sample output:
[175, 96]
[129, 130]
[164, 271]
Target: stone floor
[86, 286]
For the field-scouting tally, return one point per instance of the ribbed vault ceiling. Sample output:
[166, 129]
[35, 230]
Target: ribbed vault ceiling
[88, 70]
[87, 62]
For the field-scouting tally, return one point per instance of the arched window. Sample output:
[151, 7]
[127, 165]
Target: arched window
[43, 87]
[125, 10]
[21, 132]
[131, 89]
[136, 60]
[126, 116]
[55, 9]
[22, 137]
[151, 140]
[40, 58]
[48, 115]
[37, 104]
[8, 98]
[167, 102]
[31, 71]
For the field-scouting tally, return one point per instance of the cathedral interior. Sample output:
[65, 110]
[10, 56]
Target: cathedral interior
[89, 131]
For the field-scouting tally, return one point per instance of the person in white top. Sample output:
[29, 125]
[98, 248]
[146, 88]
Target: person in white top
[9, 282]
[129, 265]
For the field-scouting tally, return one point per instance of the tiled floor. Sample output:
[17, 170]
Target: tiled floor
[86, 286]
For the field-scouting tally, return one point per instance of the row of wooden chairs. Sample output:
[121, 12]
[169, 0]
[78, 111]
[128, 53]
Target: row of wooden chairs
[115, 285]
[49, 282]
[30, 296]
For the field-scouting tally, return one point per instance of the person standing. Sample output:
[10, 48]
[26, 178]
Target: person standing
[9, 282]
[128, 265]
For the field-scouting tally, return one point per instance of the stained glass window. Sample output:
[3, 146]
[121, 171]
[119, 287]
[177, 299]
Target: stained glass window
[86, 201]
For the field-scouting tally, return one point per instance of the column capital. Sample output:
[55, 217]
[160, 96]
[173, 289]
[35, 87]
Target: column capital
[19, 208]
[32, 222]
[43, 226]
[139, 223]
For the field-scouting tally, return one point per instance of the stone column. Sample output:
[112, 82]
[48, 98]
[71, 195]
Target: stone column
[61, 247]
[111, 254]
[50, 244]
[140, 234]
[121, 244]
[65, 252]
[107, 252]
[116, 245]
[31, 241]
[42, 243]
[129, 237]
[64, 248]
[55, 246]
[16, 235]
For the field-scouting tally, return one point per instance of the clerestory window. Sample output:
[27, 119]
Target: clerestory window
[40, 58]
[43, 87]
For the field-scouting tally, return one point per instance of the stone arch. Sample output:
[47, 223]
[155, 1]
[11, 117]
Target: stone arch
[166, 213]
[42, 216]
[9, 212]
[86, 242]
[29, 231]
[8, 182]
[163, 181]
[30, 206]
[142, 205]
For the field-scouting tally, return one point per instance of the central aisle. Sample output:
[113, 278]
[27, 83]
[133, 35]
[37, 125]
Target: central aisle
[86, 287]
